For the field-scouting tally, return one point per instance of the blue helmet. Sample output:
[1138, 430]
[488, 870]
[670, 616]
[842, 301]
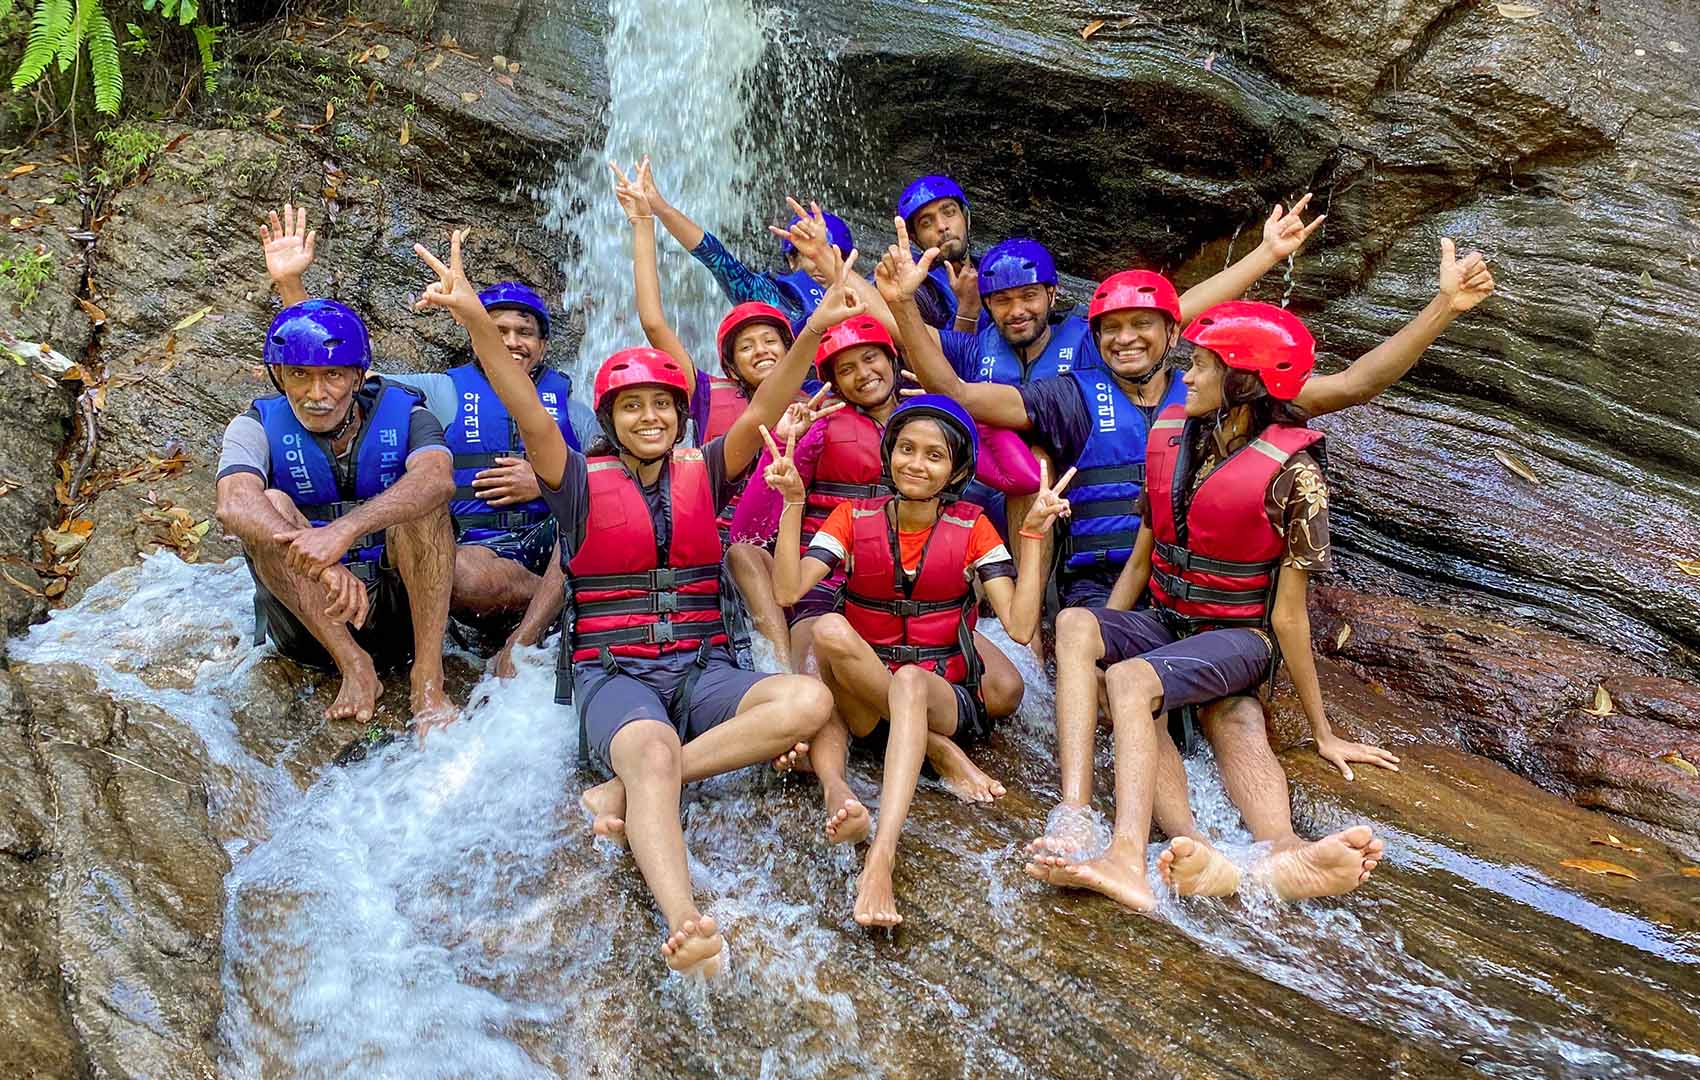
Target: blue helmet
[837, 233]
[511, 294]
[318, 333]
[928, 189]
[946, 411]
[1015, 262]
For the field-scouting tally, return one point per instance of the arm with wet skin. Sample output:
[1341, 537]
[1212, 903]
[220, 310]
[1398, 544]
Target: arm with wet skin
[545, 604]
[631, 191]
[1136, 572]
[288, 246]
[898, 276]
[545, 446]
[1291, 623]
[1464, 283]
[245, 512]
[1018, 604]
[427, 483]
[1284, 232]
[793, 574]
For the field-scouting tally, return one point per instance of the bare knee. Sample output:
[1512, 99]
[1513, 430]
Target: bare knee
[834, 637]
[646, 750]
[909, 683]
[1134, 681]
[1077, 629]
[747, 562]
[808, 703]
[1233, 720]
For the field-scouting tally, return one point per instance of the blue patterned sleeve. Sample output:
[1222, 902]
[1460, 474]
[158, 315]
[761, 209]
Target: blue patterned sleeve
[737, 281]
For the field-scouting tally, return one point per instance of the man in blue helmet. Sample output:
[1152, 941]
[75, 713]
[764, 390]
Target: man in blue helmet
[936, 210]
[338, 487]
[794, 292]
[503, 531]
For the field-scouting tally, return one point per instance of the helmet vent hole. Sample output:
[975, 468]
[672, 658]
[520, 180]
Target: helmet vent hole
[1207, 322]
[1147, 289]
[1283, 365]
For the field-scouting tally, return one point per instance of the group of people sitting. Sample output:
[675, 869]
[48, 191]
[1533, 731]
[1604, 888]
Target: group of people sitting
[849, 485]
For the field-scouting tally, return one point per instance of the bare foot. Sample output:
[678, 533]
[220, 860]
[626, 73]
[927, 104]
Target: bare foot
[960, 776]
[696, 948]
[1331, 866]
[1119, 874]
[431, 706]
[849, 823]
[606, 805]
[1192, 868]
[792, 758]
[357, 699]
[875, 903]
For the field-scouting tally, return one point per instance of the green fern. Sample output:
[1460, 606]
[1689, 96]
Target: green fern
[103, 62]
[59, 30]
[47, 24]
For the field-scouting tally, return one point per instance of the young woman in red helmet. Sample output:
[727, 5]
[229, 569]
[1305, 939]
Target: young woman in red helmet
[900, 651]
[660, 699]
[1234, 520]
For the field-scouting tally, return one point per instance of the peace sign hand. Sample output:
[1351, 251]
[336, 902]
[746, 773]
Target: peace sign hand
[800, 416]
[1464, 282]
[1048, 504]
[1285, 232]
[898, 275]
[634, 191]
[914, 389]
[782, 475]
[451, 290]
[841, 301]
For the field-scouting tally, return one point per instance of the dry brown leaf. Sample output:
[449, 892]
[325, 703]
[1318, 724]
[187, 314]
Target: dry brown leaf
[381, 52]
[275, 113]
[1676, 760]
[1602, 703]
[372, 92]
[56, 587]
[62, 544]
[1343, 636]
[506, 80]
[93, 310]
[74, 373]
[31, 589]
[1600, 866]
[513, 67]
[1690, 871]
[1691, 567]
[19, 170]
[363, 57]
[1610, 840]
[405, 134]
[1517, 11]
[330, 111]
[469, 96]
[1516, 465]
[192, 319]
[1091, 28]
[436, 62]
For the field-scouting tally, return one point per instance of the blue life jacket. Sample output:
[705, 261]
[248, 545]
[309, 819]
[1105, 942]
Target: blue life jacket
[302, 468]
[1070, 349]
[800, 291]
[1102, 523]
[938, 303]
[484, 431]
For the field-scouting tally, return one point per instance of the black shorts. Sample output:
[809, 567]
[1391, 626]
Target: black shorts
[1193, 670]
[530, 548]
[973, 725]
[387, 636]
[645, 690]
[820, 600]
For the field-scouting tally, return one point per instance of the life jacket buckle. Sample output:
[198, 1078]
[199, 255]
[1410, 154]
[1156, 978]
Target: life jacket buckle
[907, 609]
[662, 633]
[664, 603]
[662, 579]
[904, 654]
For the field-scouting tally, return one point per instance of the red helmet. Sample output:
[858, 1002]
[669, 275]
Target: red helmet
[741, 316]
[640, 366]
[1253, 336]
[1134, 289]
[859, 330]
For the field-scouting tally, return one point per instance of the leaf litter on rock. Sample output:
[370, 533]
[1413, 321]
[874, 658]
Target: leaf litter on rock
[1517, 11]
[1516, 465]
[1675, 759]
[1602, 703]
[1091, 28]
[1610, 840]
[1601, 867]
[1691, 567]
[192, 318]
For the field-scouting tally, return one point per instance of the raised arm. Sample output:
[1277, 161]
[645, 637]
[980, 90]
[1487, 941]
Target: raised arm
[687, 232]
[545, 447]
[288, 246]
[793, 575]
[824, 262]
[1284, 232]
[898, 276]
[1019, 605]
[1464, 283]
[638, 209]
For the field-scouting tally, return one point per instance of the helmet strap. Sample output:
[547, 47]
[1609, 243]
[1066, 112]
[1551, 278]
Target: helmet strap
[347, 421]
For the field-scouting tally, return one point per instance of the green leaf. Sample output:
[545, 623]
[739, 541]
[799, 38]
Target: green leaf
[46, 25]
[103, 62]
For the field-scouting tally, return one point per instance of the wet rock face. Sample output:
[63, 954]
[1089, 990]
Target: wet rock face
[1548, 142]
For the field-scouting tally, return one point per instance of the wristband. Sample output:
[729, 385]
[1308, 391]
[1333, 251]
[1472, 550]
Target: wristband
[792, 505]
[1030, 535]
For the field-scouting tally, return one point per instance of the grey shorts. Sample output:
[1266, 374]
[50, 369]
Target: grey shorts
[1193, 670]
[387, 636]
[531, 548]
[644, 690]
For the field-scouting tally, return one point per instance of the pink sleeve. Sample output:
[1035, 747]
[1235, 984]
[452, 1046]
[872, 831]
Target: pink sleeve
[757, 518]
[1006, 463]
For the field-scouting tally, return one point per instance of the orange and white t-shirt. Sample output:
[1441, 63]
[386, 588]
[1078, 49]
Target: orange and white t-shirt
[988, 557]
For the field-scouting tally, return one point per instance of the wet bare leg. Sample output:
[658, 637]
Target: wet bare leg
[357, 697]
[860, 685]
[847, 820]
[647, 757]
[485, 583]
[606, 805]
[1331, 866]
[424, 551]
[752, 572]
[919, 702]
[959, 775]
[1135, 693]
[1080, 645]
[1001, 685]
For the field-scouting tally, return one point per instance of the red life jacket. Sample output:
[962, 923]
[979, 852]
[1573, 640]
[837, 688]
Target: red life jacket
[1223, 573]
[623, 601]
[927, 619]
[849, 467]
[726, 402]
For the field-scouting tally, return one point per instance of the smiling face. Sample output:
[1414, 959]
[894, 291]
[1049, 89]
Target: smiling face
[921, 462]
[943, 224]
[1134, 341]
[755, 350]
[320, 396]
[646, 420]
[1204, 383]
[863, 375]
[521, 335]
[1020, 312]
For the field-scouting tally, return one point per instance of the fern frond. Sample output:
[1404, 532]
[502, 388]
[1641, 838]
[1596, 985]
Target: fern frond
[103, 62]
[5, 8]
[47, 24]
[70, 41]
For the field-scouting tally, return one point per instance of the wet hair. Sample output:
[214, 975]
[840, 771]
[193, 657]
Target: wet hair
[961, 451]
[1240, 387]
[603, 444]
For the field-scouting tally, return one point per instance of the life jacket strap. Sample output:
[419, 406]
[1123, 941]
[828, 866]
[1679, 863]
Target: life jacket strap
[655, 633]
[1098, 547]
[1080, 509]
[901, 607]
[655, 603]
[665, 578]
[480, 461]
[916, 654]
[847, 491]
[1110, 474]
[1178, 589]
[1182, 559]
